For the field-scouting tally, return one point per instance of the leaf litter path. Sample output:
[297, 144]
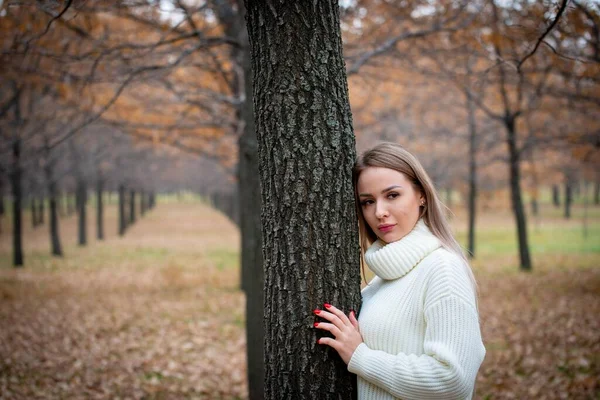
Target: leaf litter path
[158, 315]
[154, 315]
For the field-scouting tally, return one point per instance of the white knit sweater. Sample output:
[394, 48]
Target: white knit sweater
[419, 323]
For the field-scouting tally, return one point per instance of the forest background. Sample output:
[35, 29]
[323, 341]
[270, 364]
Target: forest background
[148, 102]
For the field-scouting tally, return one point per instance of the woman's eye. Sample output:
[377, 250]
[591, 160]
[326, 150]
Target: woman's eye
[393, 195]
[366, 202]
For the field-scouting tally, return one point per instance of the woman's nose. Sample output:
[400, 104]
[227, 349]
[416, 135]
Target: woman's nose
[381, 211]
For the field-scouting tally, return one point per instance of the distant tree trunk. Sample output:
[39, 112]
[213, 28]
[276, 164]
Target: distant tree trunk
[41, 210]
[142, 203]
[556, 195]
[534, 206]
[472, 174]
[515, 191]
[535, 185]
[2, 210]
[33, 209]
[597, 191]
[310, 238]
[122, 218]
[17, 201]
[248, 209]
[99, 207]
[568, 196]
[82, 211]
[55, 247]
[585, 209]
[152, 200]
[132, 207]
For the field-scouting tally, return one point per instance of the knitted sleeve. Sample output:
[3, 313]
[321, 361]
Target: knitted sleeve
[453, 349]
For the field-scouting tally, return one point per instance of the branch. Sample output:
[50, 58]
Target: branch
[561, 10]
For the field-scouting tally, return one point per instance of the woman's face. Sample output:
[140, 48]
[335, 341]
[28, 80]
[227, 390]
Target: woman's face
[389, 202]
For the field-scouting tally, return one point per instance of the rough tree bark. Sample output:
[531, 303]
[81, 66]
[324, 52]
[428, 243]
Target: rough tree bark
[306, 152]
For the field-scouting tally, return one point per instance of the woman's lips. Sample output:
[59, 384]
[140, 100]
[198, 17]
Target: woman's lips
[385, 228]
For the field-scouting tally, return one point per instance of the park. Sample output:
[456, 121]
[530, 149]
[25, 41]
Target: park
[176, 191]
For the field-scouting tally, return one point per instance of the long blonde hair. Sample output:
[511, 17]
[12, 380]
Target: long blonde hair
[396, 157]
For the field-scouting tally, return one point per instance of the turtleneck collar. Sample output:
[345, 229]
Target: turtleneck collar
[396, 259]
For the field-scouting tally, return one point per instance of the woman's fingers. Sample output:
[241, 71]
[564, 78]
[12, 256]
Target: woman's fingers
[338, 313]
[330, 317]
[328, 327]
[353, 319]
[330, 342]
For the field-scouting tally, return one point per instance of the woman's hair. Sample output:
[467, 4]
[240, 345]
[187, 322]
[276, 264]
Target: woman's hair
[396, 157]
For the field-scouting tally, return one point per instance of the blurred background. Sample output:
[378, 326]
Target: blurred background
[122, 128]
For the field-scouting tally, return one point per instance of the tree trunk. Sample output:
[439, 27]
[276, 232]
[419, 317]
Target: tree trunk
[122, 218]
[33, 209]
[555, 195]
[534, 206]
[597, 192]
[132, 207]
[152, 200]
[55, 246]
[99, 208]
[472, 174]
[17, 201]
[41, 210]
[535, 186]
[82, 211]
[306, 153]
[568, 196]
[142, 203]
[2, 210]
[515, 192]
[249, 209]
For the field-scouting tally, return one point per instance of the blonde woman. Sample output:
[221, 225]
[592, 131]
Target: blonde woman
[418, 334]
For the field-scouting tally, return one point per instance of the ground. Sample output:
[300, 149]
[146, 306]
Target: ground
[158, 314]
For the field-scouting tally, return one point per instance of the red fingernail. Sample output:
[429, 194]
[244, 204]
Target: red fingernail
[327, 305]
[316, 324]
[317, 311]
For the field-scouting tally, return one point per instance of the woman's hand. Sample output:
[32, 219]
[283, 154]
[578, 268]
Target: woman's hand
[345, 329]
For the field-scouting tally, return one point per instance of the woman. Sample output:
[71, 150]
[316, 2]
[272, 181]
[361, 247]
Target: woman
[418, 334]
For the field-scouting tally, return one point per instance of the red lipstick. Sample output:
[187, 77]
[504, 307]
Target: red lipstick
[385, 227]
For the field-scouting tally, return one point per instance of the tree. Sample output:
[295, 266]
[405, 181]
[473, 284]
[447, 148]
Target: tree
[306, 153]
